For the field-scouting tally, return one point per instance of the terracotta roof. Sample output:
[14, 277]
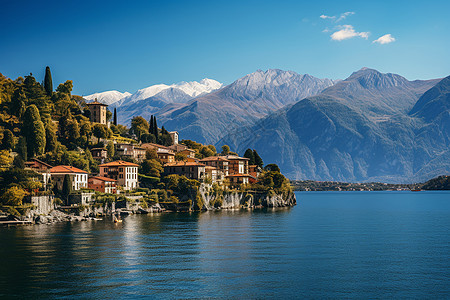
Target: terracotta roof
[190, 150]
[118, 163]
[66, 169]
[165, 152]
[39, 161]
[183, 164]
[152, 145]
[102, 178]
[240, 175]
[96, 103]
[212, 158]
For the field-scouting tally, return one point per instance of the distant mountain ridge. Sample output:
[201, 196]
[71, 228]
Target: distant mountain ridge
[209, 117]
[356, 130]
[368, 127]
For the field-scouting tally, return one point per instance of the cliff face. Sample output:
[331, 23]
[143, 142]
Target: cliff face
[235, 200]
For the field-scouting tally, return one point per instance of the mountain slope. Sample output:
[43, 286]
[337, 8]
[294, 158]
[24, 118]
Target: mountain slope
[378, 94]
[356, 130]
[207, 118]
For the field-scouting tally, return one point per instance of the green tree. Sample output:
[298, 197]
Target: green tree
[66, 188]
[139, 126]
[100, 131]
[225, 150]
[13, 196]
[34, 131]
[73, 131]
[18, 162]
[151, 154]
[150, 124]
[48, 84]
[5, 159]
[148, 138]
[65, 88]
[155, 128]
[152, 167]
[108, 115]
[115, 117]
[206, 151]
[249, 154]
[18, 102]
[50, 136]
[272, 168]
[213, 149]
[258, 160]
[21, 148]
[110, 149]
[8, 140]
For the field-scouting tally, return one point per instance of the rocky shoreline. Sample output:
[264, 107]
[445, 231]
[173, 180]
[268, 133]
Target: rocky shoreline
[228, 200]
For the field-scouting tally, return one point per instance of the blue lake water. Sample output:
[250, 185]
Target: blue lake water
[331, 245]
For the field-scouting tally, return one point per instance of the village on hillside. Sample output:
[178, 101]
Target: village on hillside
[61, 153]
[120, 176]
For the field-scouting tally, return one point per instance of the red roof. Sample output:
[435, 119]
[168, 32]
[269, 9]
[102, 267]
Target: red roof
[118, 163]
[240, 175]
[184, 164]
[38, 161]
[102, 178]
[66, 169]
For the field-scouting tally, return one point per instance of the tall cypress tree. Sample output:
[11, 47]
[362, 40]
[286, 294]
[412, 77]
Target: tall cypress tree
[48, 84]
[249, 154]
[155, 128]
[115, 117]
[150, 130]
[66, 188]
[258, 160]
[34, 131]
[21, 148]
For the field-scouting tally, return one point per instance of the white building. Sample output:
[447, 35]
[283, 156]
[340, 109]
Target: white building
[79, 178]
[174, 136]
[124, 172]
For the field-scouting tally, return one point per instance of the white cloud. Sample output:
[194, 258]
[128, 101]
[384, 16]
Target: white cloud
[345, 15]
[385, 39]
[327, 17]
[338, 19]
[348, 32]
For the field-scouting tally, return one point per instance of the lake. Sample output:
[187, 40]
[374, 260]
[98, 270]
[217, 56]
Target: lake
[331, 245]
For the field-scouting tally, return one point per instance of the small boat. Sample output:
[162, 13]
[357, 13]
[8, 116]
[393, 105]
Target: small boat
[416, 190]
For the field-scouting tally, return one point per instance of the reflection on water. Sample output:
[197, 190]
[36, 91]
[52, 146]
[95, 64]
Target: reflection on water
[330, 245]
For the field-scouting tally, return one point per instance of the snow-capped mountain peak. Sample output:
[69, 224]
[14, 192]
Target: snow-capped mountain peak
[195, 88]
[108, 97]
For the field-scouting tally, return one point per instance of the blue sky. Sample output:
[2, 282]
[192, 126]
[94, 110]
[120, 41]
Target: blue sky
[127, 45]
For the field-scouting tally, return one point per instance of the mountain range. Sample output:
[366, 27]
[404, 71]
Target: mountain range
[368, 127]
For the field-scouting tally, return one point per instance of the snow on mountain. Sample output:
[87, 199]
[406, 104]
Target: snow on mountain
[192, 89]
[108, 97]
[195, 88]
